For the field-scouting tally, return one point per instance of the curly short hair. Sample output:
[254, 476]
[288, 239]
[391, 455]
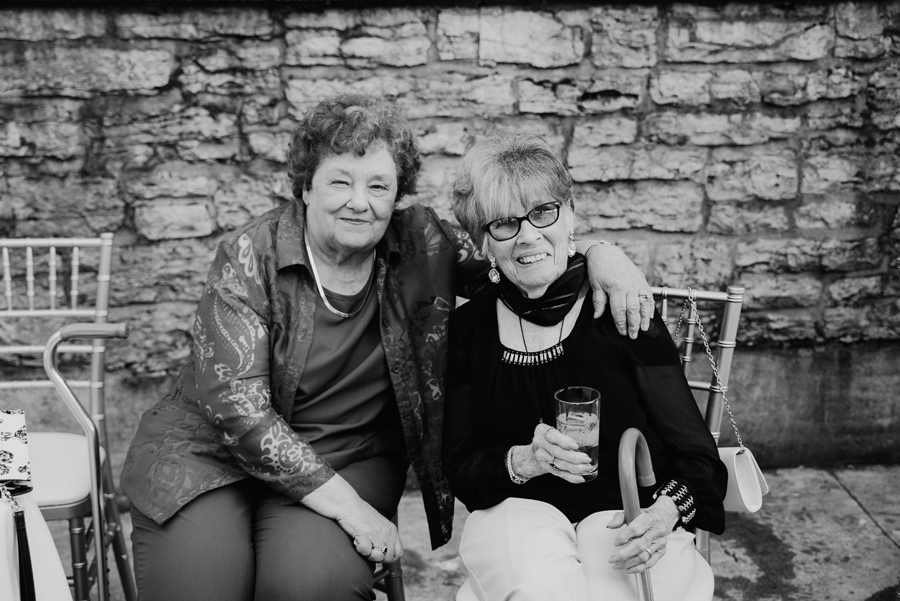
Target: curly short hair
[503, 172]
[352, 123]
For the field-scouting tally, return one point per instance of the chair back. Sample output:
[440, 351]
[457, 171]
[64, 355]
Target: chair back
[47, 283]
[729, 304]
[724, 342]
[56, 293]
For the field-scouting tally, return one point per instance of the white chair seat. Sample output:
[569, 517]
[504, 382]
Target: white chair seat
[60, 468]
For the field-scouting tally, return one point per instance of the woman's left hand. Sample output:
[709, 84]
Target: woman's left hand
[551, 452]
[643, 542]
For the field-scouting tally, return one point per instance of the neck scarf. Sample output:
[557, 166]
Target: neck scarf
[559, 298]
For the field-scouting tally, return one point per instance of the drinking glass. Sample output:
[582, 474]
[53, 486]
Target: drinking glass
[578, 417]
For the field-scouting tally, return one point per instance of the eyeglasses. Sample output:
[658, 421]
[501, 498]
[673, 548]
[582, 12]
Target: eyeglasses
[541, 216]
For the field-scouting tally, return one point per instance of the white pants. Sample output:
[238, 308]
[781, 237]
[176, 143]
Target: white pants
[522, 550]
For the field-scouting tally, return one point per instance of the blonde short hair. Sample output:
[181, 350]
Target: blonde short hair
[503, 172]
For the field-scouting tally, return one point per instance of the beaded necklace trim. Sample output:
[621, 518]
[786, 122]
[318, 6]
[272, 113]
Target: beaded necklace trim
[547, 355]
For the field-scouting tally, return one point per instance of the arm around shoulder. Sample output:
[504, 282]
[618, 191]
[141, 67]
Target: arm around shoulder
[616, 279]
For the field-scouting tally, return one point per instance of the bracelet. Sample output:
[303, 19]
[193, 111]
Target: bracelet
[517, 479]
[683, 498]
[607, 242]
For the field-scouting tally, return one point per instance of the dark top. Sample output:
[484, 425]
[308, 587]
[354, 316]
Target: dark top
[493, 405]
[345, 405]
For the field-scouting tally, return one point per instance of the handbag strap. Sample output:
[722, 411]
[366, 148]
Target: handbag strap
[712, 362]
[26, 572]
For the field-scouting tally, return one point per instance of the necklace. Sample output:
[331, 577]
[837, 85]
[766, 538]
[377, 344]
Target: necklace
[328, 305]
[536, 357]
[562, 325]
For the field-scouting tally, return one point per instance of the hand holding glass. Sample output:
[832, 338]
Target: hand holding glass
[578, 417]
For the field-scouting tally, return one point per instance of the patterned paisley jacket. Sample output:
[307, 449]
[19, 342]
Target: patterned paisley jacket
[225, 419]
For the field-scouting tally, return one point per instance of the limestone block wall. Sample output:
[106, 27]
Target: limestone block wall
[752, 143]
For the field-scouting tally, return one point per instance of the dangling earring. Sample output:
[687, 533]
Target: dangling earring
[571, 243]
[493, 274]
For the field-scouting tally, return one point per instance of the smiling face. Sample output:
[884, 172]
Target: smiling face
[535, 257]
[349, 203]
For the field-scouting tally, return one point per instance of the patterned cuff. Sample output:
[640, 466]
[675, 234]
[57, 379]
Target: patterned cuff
[683, 498]
[517, 479]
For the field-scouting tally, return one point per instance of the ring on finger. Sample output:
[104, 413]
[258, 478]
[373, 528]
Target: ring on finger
[383, 550]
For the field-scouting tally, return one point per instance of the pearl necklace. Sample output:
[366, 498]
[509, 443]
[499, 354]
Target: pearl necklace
[328, 305]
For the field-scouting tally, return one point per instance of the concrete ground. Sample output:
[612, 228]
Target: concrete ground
[824, 535]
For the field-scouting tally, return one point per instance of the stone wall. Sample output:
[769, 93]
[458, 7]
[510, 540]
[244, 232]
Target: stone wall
[753, 143]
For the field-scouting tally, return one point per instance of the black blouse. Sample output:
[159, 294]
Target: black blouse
[493, 405]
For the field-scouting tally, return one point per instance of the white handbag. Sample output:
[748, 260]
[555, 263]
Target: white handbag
[30, 568]
[746, 483]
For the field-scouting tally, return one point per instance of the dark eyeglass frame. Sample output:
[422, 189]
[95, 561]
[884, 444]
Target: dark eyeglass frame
[543, 207]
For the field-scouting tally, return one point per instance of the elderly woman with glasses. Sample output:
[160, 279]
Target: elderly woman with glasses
[544, 523]
[316, 377]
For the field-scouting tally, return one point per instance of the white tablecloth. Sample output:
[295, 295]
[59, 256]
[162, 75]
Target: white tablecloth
[49, 578]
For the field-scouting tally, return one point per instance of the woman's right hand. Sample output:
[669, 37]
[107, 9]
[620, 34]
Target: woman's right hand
[374, 537]
[551, 452]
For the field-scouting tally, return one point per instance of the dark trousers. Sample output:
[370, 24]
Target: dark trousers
[245, 542]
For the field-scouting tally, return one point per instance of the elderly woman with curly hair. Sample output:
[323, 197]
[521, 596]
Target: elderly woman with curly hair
[315, 379]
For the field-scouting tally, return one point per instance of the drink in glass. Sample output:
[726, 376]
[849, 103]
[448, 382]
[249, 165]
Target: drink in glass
[578, 417]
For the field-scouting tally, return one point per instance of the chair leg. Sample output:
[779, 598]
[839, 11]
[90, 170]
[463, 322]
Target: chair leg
[702, 544]
[78, 542]
[117, 535]
[120, 549]
[393, 582]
